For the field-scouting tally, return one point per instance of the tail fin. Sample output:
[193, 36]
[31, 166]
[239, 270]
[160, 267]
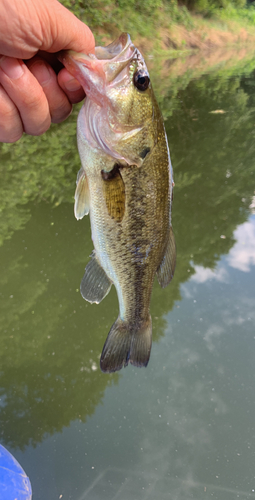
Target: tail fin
[126, 343]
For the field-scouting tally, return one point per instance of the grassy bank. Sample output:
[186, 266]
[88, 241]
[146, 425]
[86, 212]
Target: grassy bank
[165, 26]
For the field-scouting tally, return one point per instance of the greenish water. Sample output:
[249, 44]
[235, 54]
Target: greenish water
[184, 427]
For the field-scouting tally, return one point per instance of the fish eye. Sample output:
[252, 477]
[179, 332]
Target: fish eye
[141, 80]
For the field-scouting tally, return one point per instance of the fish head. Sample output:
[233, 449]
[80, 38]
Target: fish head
[120, 105]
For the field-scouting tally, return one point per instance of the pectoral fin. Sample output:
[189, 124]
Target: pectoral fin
[166, 269]
[81, 206]
[114, 193]
[95, 283]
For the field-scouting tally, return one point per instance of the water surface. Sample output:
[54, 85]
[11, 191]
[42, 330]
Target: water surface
[184, 427]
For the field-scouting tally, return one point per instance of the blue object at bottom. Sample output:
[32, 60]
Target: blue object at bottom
[14, 483]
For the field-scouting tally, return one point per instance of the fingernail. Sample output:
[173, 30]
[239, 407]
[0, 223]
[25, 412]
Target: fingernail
[12, 67]
[41, 72]
[72, 85]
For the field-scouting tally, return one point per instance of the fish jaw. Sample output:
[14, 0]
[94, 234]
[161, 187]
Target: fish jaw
[88, 71]
[92, 130]
[95, 71]
[109, 122]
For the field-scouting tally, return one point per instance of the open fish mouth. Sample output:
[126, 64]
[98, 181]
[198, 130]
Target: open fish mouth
[107, 79]
[117, 48]
[100, 68]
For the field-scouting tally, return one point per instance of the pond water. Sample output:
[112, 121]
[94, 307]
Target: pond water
[184, 427]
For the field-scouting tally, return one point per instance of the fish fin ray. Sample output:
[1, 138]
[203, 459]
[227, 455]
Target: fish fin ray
[166, 268]
[81, 205]
[114, 194]
[95, 284]
[126, 344]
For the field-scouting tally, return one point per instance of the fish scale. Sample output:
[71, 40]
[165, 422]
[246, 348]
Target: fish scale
[126, 186]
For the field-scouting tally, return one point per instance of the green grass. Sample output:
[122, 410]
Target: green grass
[246, 14]
[136, 16]
[145, 19]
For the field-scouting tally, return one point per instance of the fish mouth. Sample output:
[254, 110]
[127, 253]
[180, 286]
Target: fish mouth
[103, 67]
[117, 48]
[103, 76]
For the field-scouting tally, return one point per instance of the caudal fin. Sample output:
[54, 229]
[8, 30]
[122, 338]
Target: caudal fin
[126, 343]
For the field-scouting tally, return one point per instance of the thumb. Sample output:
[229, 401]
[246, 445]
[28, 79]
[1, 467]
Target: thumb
[65, 31]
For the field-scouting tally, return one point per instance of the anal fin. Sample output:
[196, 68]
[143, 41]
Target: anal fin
[166, 268]
[95, 284]
[81, 205]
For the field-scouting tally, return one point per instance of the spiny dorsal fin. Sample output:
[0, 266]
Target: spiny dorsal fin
[114, 193]
[95, 283]
[81, 205]
[166, 269]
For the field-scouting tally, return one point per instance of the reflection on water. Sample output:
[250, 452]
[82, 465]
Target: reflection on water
[185, 425]
[242, 254]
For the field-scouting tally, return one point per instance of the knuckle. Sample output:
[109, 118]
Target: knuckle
[9, 114]
[38, 128]
[35, 114]
[60, 114]
[11, 128]
[8, 138]
[25, 109]
[10, 134]
[35, 101]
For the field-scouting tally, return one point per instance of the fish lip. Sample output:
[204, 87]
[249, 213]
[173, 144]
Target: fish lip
[109, 52]
[114, 49]
[107, 61]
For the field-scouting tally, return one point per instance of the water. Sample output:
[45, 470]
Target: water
[184, 427]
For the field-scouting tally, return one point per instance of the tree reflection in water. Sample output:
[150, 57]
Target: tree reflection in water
[51, 339]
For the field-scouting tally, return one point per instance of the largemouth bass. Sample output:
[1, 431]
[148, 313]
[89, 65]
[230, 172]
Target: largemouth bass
[125, 184]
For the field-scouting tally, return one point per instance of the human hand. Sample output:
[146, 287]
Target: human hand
[31, 94]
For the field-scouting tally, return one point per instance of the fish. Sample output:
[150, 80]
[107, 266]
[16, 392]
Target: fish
[125, 184]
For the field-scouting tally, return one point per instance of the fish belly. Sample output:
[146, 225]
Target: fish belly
[130, 250]
[130, 223]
